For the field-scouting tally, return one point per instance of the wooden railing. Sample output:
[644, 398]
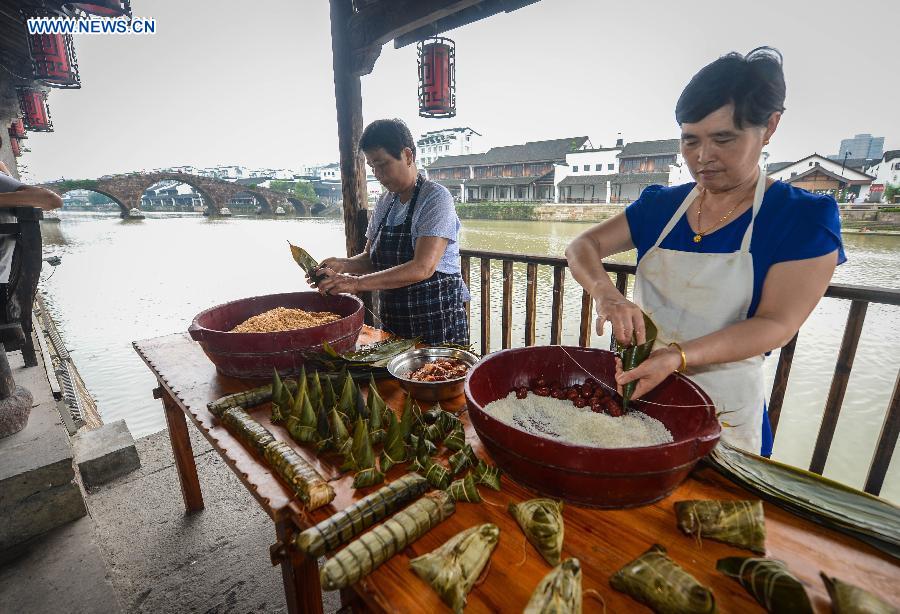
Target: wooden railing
[859, 296]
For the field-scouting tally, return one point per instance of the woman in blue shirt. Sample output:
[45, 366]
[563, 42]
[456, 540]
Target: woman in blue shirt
[729, 267]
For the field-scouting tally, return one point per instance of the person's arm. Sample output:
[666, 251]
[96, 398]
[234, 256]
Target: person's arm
[585, 255]
[5, 169]
[428, 253]
[31, 196]
[789, 294]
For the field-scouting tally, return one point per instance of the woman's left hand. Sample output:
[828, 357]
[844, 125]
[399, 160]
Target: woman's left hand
[658, 366]
[338, 283]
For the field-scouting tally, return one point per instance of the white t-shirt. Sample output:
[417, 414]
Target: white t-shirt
[7, 242]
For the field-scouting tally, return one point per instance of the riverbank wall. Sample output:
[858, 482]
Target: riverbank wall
[854, 219]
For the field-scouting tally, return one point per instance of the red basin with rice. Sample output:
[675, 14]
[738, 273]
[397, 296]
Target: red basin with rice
[255, 355]
[588, 475]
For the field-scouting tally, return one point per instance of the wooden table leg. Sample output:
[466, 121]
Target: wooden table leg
[300, 574]
[182, 451]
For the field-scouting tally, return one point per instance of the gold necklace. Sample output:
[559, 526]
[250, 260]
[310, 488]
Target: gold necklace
[701, 233]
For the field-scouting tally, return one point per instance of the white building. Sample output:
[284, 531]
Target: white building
[589, 172]
[820, 175]
[886, 172]
[449, 142]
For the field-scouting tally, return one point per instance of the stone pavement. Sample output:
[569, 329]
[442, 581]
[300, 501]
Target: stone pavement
[155, 558]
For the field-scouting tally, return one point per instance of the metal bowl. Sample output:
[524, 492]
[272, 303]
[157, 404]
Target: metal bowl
[403, 364]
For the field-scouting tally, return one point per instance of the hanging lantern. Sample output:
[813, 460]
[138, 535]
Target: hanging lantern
[14, 145]
[17, 129]
[103, 8]
[53, 59]
[35, 113]
[437, 77]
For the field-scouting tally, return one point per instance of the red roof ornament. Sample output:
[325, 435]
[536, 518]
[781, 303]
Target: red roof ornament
[17, 129]
[53, 59]
[35, 113]
[437, 77]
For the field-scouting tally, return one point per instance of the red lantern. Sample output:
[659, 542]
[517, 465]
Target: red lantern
[35, 113]
[17, 129]
[53, 58]
[437, 78]
[14, 145]
[103, 8]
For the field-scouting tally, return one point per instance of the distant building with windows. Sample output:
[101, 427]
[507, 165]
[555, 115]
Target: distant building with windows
[449, 142]
[864, 146]
[821, 175]
[514, 172]
[886, 172]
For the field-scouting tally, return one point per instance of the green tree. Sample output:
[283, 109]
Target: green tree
[304, 190]
[282, 186]
[96, 198]
[890, 191]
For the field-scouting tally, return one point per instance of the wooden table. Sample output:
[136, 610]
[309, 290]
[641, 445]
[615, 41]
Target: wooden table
[602, 540]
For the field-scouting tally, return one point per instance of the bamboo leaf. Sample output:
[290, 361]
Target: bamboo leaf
[634, 354]
[770, 583]
[559, 592]
[395, 450]
[659, 582]
[306, 262]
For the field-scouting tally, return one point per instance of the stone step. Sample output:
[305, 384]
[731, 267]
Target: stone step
[104, 454]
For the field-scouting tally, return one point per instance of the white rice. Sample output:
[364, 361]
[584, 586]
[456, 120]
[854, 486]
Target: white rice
[560, 420]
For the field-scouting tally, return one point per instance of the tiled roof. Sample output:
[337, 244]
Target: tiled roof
[502, 181]
[643, 178]
[651, 148]
[589, 179]
[536, 151]
[774, 167]
[891, 154]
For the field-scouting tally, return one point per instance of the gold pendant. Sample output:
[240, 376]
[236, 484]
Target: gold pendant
[698, 238]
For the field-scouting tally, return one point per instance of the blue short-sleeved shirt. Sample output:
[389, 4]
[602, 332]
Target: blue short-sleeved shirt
[434, 216]
[792, 224]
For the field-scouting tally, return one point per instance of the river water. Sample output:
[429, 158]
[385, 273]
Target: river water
[121, 281]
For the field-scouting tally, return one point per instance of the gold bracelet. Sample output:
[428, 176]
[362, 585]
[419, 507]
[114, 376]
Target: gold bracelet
[683, 358]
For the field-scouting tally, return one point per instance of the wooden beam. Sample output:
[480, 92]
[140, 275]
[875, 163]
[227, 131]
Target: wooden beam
[479, 11]
[375, 25]
[348, 102]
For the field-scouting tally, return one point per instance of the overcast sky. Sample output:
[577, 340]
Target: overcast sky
[250, 83]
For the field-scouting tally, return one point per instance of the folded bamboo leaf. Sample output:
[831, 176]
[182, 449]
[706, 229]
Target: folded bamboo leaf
[303, 427]
[303, 479]
[464, 489]
[739, 523]
[375, 408]
[314, 386]
[486, 474]
[347, 401]
[462, 459]
[407, 419]
[453, 567]
[542, 522]
[343, 526]
[306, 262]
[770, 583]
[559, 592]
[245, 399]
[850, 599]
[369, 551]
[813, 497]
[634, 354]
[661, 584]
[339, 433]
[421, 443]
[456, 439]
[436, 474]
[328, 397]
[323, 431]
[248, 430]
[278, 413]
[395, 450]
[364, 457]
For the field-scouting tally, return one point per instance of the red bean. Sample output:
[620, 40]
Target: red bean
[579, 402]
[542, 391]
[540, 383]
[521, 392]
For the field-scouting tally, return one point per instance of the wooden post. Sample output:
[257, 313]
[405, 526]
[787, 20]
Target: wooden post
[348, 102]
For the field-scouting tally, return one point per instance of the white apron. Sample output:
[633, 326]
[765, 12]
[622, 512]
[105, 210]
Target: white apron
[689, 295]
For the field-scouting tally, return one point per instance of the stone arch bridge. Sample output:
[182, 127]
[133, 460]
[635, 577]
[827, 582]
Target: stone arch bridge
[126, 191]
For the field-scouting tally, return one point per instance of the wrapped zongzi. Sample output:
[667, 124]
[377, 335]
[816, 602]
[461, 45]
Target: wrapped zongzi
[453, 568]
[770, 583]
[849, 599]
[739, 523]
[559, 592]
[661, 584]
[542, 522]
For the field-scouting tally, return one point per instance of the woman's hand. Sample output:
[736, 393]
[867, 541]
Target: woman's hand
[626, 318]
[338, 283]
[338, 265]
[658, 366]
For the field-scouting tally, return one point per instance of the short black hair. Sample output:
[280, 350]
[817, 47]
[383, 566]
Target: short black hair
[392, 135]
[753, 83]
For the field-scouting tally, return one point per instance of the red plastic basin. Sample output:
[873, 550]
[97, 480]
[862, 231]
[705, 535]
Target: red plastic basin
[255, 355]
[583, 475]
